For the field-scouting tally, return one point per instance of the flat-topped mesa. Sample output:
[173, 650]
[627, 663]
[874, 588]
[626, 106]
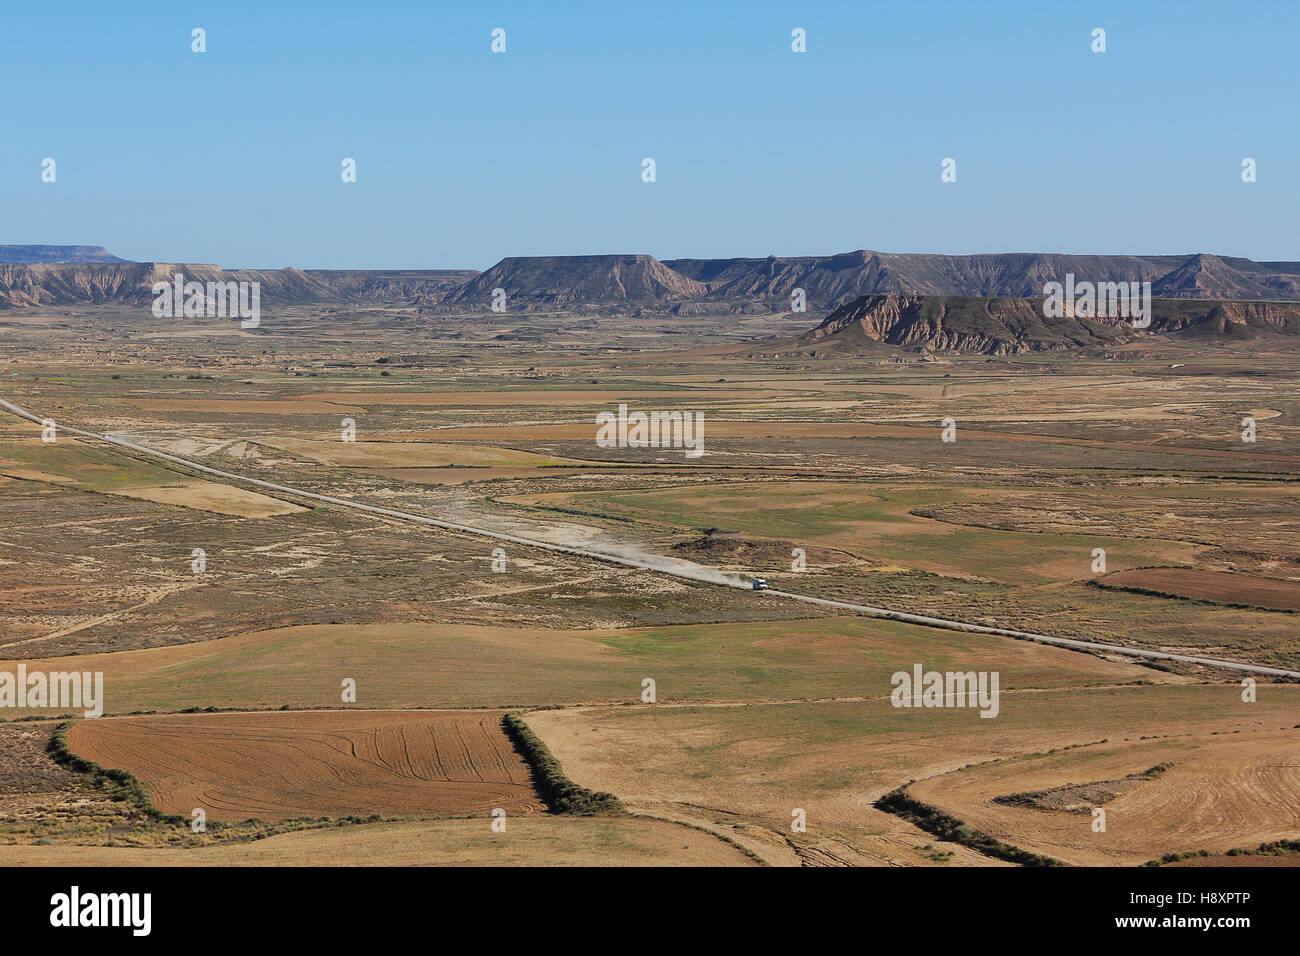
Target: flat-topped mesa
[827, 282]
[830, 281]
[551, 281]
[51, 254]
[639, 283]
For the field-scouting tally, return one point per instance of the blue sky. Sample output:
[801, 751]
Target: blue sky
[465, 156]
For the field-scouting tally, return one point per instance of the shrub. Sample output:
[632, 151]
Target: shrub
[561, 794]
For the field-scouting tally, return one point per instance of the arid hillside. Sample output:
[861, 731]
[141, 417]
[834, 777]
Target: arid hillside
[637, 283]
[1003, 326]
[131, 283]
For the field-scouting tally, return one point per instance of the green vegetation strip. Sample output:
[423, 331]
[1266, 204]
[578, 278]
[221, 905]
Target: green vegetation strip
[953, 830]
[561, 794]
[121, 785]
[1276, 848]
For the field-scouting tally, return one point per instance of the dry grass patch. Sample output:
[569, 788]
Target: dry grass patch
[532, 840]
[408, 454]
[753, 764]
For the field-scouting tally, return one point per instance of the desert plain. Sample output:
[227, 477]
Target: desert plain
[1104, 495]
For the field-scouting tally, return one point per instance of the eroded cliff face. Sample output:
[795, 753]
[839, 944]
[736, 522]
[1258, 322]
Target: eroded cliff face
[984, 303]
[1005, 326]
[1230, 319]
[1000, 326]
[42, 284]
[131, 283]
[551, 281]
[831, 281]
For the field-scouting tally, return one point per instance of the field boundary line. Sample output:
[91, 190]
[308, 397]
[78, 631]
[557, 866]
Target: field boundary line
[730, 841]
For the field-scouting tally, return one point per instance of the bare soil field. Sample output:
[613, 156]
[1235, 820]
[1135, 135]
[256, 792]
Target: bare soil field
[216, 498]
[1218, 586]
[279, 766]
[77, 464]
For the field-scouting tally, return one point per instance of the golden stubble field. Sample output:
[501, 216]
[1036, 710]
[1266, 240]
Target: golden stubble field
[745, 769]
[1233, 789]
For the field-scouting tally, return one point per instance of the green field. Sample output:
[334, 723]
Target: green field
[433, 665]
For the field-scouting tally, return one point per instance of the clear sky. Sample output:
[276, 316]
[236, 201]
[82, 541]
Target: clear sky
[465, 156]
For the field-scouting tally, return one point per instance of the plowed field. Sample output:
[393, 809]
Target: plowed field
[1218, 586]
[277, 766]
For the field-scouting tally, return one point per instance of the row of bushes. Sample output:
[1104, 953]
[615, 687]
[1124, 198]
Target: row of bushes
[1276, 848]
[121, 785]
[561, 794]
[953, 830]
[1152, 592]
